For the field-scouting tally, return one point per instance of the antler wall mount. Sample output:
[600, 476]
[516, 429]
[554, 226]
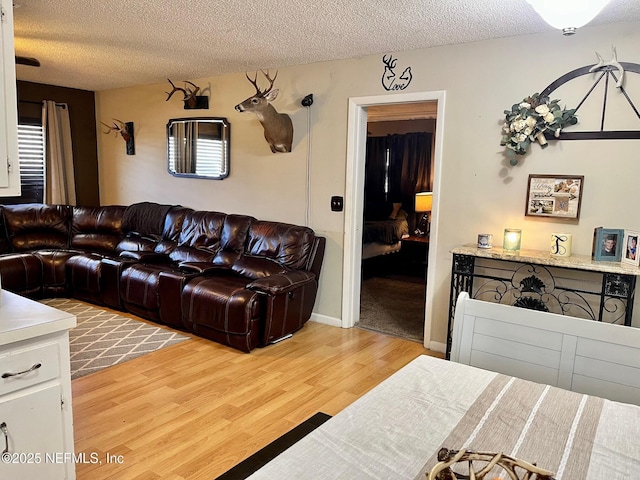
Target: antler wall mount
[125, 130]
[191, 99]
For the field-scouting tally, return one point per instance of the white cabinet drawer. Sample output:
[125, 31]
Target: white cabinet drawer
[28, 366]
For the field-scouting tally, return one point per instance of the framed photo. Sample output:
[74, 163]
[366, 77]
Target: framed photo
[630, 252]
[608, 243]
[555, 196]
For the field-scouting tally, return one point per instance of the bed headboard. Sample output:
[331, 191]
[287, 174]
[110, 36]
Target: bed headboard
[572, 353]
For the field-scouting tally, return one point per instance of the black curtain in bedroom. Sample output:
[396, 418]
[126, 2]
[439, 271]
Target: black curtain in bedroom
[409, 168]
[375, 170]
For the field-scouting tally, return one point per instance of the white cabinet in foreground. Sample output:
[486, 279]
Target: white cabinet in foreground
[36, 422]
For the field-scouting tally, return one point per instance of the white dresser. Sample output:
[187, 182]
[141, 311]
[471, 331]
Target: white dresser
[36, 422]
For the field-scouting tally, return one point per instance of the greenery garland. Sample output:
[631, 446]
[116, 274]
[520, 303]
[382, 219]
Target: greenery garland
[528, 121]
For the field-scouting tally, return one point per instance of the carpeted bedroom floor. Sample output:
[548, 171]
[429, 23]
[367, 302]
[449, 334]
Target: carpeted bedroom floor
[393, 305]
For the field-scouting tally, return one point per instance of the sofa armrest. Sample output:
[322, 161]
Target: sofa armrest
[282, 282]
[147, 257]
[202, 268]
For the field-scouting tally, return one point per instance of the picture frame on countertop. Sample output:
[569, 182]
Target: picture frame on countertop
[607, 245]
[554, 196]
[630, 252]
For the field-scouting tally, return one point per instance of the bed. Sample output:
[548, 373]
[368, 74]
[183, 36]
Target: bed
[384, 227]
[396, 430]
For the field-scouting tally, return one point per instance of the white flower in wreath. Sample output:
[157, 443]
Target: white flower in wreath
[525, 105]
[519, 125]
[542, 109]
[531, 122]
[520, 137]
[528, 131]
[549, 117]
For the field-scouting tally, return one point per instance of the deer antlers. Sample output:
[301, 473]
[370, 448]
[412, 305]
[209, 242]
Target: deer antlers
[389, 61]
[613, 63]
[254, 82]
[189, 94]
[118, 127]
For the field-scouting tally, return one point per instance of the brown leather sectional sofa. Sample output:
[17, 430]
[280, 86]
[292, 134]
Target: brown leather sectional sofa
[233, 279]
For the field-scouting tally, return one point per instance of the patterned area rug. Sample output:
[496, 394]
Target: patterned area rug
[102, 339]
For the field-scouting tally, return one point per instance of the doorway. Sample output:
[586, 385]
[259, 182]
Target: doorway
[356, 147]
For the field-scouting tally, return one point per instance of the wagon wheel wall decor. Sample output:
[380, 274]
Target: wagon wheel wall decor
[610, 75]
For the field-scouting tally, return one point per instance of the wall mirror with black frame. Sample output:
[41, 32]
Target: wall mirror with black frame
[198, 147]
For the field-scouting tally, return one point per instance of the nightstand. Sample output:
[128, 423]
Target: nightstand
[414, 254]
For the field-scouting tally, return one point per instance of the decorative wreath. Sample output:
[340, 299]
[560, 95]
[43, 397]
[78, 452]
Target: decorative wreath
[528, 121]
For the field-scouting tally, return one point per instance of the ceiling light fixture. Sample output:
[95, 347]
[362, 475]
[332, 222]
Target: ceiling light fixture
[568, 15]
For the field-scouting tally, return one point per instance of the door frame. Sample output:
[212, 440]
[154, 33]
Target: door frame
[354, 201]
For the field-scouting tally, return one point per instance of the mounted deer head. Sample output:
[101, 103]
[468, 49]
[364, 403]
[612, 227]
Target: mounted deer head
[278, 128]
[190, 93]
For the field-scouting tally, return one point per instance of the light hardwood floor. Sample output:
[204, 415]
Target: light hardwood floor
[195, 409]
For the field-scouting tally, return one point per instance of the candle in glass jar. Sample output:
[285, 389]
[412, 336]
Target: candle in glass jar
[512, 239]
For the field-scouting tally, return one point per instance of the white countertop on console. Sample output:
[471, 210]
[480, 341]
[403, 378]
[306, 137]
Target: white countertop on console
[540, 257]
[22, 318]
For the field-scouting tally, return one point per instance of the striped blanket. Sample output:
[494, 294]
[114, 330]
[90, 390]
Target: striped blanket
[396, 430]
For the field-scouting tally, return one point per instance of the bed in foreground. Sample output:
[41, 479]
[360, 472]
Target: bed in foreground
[396, 430]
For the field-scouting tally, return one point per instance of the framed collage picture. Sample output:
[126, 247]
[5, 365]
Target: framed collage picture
[555, 196]
[630, 247]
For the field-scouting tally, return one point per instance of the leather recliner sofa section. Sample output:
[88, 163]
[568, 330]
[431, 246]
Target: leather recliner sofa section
[233, 279]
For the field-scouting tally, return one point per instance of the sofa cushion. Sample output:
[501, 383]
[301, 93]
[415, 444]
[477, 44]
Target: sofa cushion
[97, 229]
[139, 286]
[199, 239]
[21, 273]
[83, 272]
[173, 223]
[54, 268]
[221, 303]
[233, 239]
[33, 226]
[289, 245]
[257, 267]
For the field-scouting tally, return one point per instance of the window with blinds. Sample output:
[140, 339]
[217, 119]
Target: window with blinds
[31, 159]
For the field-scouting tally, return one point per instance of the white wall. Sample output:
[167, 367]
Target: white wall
[479, 191]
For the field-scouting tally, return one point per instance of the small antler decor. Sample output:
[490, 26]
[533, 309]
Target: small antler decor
[192, 101]
[528, 121]
[125, 130]
[447, 458]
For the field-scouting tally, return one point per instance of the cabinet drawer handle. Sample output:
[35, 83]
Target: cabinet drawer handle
[3, 427]
[34, 367]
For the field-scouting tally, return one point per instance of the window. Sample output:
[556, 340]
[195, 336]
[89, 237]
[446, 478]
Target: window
[31, 164]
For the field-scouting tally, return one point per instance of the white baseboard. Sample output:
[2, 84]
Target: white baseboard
[438, 347]
[325, 319]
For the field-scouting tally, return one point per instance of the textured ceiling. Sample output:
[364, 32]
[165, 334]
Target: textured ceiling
[98, 45]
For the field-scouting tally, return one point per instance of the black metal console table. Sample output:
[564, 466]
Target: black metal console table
[574, 286]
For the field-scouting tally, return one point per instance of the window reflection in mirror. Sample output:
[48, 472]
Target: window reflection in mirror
[198, 147]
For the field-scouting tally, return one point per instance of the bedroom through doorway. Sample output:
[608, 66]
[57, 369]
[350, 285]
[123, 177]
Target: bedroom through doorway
[398, 164]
